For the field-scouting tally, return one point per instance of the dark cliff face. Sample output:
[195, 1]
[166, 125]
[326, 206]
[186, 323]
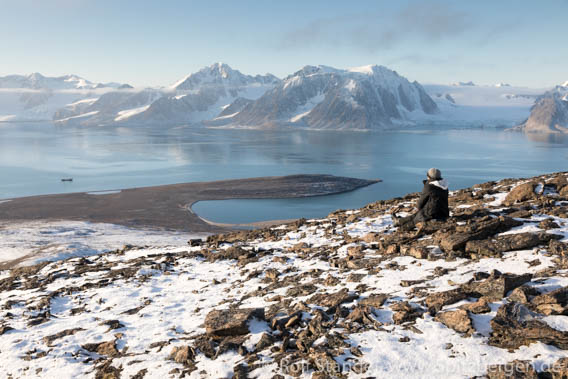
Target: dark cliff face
[549, 114]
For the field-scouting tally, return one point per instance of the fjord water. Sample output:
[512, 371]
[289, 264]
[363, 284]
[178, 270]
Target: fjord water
[35, 156]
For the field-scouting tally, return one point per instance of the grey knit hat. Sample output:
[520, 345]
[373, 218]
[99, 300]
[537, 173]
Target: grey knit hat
[434, 174]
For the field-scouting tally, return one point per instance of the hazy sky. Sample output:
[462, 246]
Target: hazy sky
[522, 42]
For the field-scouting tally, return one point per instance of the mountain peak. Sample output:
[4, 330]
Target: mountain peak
[565, 84]
[220, 74]
[35, 76]
[220, 68]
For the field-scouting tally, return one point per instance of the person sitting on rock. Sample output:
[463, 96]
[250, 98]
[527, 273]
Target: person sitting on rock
[432, 205]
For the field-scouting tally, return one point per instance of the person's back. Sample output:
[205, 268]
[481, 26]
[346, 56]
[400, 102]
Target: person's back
[433, 202]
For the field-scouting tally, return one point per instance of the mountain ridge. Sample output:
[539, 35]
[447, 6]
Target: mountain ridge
[323, 97]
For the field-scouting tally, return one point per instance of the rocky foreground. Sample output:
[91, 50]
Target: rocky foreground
[484, 294]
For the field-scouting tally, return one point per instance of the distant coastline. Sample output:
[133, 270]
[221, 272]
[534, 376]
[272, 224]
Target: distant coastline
[168, 207]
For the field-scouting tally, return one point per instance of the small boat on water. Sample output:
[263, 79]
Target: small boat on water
[67, 179]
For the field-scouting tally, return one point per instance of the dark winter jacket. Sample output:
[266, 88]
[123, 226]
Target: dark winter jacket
[433, 202]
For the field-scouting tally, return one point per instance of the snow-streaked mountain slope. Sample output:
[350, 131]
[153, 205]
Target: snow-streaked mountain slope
[111, 107]
[549, 114]
[197, 97]
[322, 97]
[37, 97]
[39, 82]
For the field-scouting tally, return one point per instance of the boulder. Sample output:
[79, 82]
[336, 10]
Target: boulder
[522, 192]
[371, 238]
[515, 325]
[182, 354]
[301, 290]
[552, 303]
[548, 224]
[266, 340]
[457, 320]
[452, 241]
[418, 252]
[404, 312]
[480, 306]
[231, 322]
[496, 286]
[355, 251]
[272, 274]
[107, 348]
[332, 300]
[324, 362]
[523, 294]
[374, 300]
[510, 242]
[437, 300]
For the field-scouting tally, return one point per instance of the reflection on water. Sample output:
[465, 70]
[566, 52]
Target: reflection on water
[552, 139]
[34, 157]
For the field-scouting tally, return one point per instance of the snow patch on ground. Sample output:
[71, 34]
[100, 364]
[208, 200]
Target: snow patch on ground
[52, 241]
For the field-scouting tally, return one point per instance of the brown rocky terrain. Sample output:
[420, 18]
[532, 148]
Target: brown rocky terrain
[483, 294]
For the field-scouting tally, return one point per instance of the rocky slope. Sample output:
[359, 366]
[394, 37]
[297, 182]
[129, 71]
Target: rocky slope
[549, 114]
[482, 294]
[323, 97]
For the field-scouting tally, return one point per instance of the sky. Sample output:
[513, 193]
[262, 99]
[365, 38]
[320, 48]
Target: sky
[155, 43]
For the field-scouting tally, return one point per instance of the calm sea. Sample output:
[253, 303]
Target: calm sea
[35, 156]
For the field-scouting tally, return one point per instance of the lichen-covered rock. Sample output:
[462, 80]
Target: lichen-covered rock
[404, 312]
[552, 303]
[480, 306]
[523, 294]
[107, 348]
[521, 193]
[457, 320]
[438, 300]
[510, 242]
[515, 325]
[452, 241]
[332, 300]
[182, 354]
[496, 286]
[231, 322]
[374, 300]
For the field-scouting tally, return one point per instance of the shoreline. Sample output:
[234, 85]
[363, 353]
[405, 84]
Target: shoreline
[168, 207]
[251, 225]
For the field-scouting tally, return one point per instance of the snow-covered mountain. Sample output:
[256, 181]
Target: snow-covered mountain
[108, 108]
[37, 97]
[317, 97]
[37, 81]
[549, 114]
[323, 97]
[220, 74]
[197, 97]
